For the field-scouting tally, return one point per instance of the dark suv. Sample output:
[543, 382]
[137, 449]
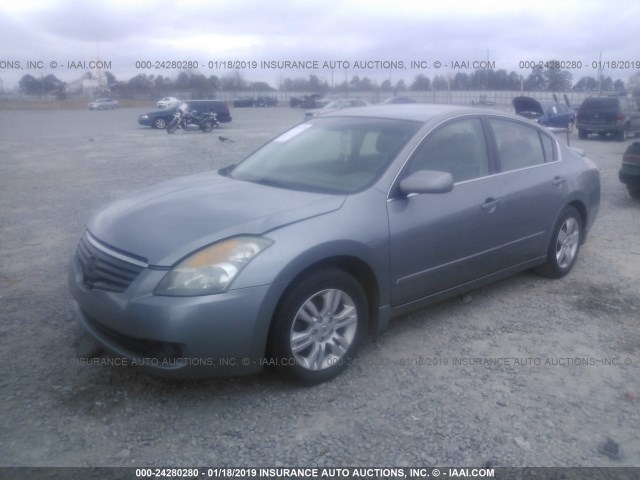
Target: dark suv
[160, 118]
[608, 114]
[630, 172]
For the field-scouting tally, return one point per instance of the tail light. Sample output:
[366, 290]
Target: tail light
[619, 119]
[631, 159]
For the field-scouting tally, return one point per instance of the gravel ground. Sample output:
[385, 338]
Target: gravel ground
[525, 372]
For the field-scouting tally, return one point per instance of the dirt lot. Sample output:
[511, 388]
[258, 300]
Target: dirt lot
[526, 372]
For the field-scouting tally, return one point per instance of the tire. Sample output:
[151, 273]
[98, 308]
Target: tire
[173, 126]
[570, 127]
[160, 123]
[582, 134]
[318, 327]
[622, 135]
[634, 191]
[206, 126]
[565, 245]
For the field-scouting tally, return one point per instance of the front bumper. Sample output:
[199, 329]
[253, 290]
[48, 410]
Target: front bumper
[600, 127]
[213, 335]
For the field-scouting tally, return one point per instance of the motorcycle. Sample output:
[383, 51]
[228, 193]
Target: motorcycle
[191, 120]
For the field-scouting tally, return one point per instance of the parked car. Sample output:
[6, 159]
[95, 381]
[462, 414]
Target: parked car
[255, 102]
[608, 114]
[240, 102]
[266, 102]
[556, 115]
[292, 256]
[630, 172]
[160, 118]
[167, 102]
[103, 104]
[307, 101]
[335, 105]
[398, 100]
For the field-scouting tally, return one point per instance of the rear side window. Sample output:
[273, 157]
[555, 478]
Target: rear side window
[599, 105]
[519, 145]
[547, 146]
[216, 107]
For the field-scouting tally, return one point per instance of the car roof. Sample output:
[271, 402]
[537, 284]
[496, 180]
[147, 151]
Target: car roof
[416, 112]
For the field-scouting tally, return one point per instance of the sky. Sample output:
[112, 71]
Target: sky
[56, 36]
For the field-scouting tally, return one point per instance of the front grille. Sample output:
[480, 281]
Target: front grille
[104, 268]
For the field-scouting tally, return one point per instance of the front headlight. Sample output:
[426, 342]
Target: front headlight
[144, 117]
[212, 269]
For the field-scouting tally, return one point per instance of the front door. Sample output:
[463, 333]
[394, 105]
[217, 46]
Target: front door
[439, 241]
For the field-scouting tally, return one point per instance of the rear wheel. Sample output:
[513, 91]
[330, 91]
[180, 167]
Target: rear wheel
[319, 327]
[634, 191]
[582, 134]
[621, 136]
[565, 245]
[206, 126]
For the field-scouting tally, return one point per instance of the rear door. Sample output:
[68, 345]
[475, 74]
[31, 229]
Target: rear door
[534, 186]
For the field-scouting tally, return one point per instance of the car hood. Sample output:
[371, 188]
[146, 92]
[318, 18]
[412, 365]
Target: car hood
[527, 107]
[166, 222]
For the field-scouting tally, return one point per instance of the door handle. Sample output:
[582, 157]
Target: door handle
[490, 204]
[558, 181]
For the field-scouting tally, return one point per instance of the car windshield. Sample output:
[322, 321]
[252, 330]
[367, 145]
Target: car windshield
[334, 104]
[333, 155]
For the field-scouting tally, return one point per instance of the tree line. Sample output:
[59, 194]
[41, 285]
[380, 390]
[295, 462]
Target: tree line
[551, 80]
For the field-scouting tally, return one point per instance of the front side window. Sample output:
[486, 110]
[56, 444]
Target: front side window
[335, 155]
[458, 148]
[519, 145]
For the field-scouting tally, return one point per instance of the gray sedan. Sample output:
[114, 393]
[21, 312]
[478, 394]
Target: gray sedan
[289, 258]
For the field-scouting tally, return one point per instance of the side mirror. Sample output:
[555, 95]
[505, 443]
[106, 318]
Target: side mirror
[427, 181]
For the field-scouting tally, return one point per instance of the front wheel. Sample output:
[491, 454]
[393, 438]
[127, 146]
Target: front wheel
[565, 245]
[570, 127]
[318, 327]
[173, 126]
[582, 134]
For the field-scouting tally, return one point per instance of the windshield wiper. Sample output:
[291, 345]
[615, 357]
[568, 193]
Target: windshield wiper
[226, 171]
